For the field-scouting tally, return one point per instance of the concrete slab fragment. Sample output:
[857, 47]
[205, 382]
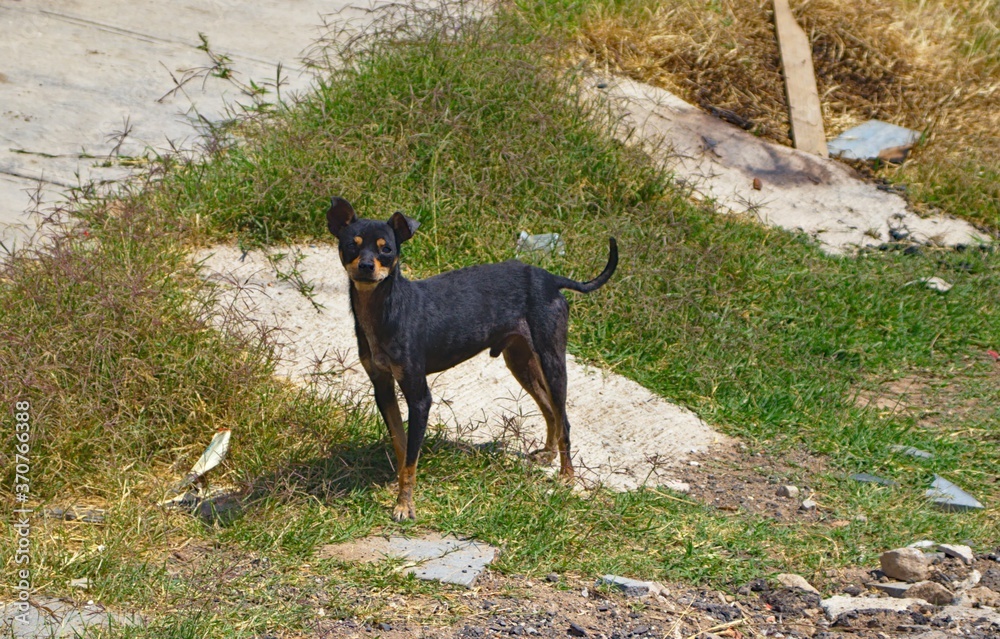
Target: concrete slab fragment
[447, 559]
[840, 604]
[869, 139]
[959, 551]
[798, 191]
[48, 617]
[947, 496]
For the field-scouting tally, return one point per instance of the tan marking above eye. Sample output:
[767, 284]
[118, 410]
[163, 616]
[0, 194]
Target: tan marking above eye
[358, 240]
[380, 242]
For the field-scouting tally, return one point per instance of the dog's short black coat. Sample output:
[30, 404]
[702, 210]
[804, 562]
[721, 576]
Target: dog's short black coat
[407, 330]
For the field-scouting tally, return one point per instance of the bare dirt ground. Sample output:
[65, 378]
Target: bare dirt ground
[623, 435]
[571, 605]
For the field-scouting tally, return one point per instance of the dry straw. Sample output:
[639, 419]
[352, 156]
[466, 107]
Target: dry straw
[929, 65]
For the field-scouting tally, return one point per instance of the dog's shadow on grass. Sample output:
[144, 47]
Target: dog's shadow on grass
[355, 470]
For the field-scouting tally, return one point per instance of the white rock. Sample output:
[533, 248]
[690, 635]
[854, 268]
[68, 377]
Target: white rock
[788, 491]
[923, 543]
[789, 580]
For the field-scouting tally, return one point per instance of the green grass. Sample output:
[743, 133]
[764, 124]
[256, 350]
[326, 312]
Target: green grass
[475, 136]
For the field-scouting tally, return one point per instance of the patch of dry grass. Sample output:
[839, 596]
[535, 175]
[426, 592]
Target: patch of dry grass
[929, 65]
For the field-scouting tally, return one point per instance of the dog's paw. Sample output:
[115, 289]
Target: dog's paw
[404, 512]
[542, 456]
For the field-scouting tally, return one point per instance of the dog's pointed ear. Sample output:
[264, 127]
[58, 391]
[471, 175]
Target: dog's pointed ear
[404, 226]
[339, 215]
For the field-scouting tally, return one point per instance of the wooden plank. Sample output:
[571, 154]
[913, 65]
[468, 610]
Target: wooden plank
[800, 82]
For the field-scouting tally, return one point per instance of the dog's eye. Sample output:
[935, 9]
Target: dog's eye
[386, 249]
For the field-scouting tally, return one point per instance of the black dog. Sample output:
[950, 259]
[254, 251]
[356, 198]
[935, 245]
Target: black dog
[407, 330]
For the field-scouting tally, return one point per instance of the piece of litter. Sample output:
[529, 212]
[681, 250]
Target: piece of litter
[995, 355]
[948, 496]
[873, 140]
[936, 284]
[212, 457]
[865, 478]
[911, 451]
[547, 242]
[74, 513]
[82, 582]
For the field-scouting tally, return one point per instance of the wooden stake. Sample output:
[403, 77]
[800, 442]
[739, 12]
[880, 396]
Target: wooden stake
[800, 82]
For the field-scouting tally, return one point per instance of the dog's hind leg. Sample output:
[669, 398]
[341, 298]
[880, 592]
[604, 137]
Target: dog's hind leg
[550, 345]
[527, 370]
[554, 368]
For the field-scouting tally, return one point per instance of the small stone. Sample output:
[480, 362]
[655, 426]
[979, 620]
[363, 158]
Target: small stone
[853, 589]
[552, 577]
[638, 631]
[585, 593]
[893, 588]
[808, 505]
[969, 582]
[789, 580]
[862, 519]
[905, 564]
[576, 631]
[982, 596]
[384, 627]
[677, 486]
[931, 592]
[788, 491]
[959, 552]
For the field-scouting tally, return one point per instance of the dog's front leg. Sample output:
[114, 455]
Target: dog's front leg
[418, 402]
[385, 399]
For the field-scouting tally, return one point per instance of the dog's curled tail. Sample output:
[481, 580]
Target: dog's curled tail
[600, 280]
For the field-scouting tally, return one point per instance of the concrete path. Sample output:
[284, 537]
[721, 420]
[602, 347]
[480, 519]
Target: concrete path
[75, 74]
